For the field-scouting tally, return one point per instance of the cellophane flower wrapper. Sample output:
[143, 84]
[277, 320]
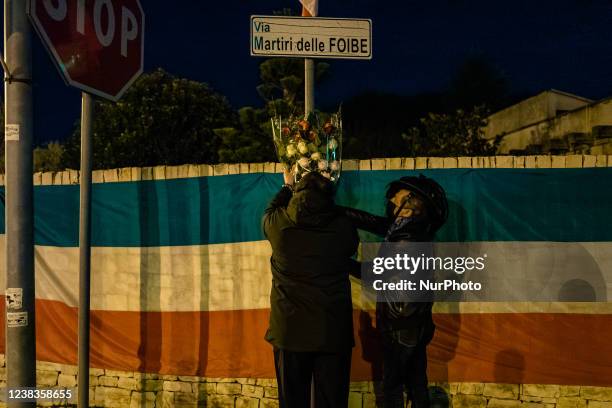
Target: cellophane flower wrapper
[310, 145]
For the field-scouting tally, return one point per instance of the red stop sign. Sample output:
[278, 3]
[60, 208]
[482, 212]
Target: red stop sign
[98, 45]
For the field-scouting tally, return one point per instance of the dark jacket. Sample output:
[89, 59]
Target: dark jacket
[415, 321]
[312, 245]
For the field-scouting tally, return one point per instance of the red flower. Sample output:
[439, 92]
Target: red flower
[304, 125]
[286, 131]
[328, 128]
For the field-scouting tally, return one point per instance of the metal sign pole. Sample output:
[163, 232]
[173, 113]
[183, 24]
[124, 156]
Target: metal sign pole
[20, 296]
[85, 247]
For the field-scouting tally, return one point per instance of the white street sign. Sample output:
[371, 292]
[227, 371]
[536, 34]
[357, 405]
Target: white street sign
[311, 37]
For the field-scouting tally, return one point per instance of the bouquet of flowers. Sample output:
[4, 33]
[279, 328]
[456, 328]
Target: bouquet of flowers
[310, 145]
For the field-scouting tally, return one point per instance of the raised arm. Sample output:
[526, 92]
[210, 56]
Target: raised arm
[363, 220]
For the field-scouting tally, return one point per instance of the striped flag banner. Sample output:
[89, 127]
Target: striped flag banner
[181, 275]
[311, 8]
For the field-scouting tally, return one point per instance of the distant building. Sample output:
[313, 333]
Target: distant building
[554, 122]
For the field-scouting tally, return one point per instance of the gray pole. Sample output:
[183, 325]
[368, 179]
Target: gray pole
[309, 80]
[85, 247]
[20, 321]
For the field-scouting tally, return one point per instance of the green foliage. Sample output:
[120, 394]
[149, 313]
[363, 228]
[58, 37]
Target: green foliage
[49, 157]
[456, 134]
[161, 120]
[251, 142]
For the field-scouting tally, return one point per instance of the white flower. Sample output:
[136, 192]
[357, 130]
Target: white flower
[291, 151]
[302, 147]
[315, 156]
[304, 162]
[332, 144]
[322, 164]
[335, 165]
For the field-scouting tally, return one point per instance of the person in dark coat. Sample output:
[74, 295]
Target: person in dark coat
[311, 320]
[416, 209]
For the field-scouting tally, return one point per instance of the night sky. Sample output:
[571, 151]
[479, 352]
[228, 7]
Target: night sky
[417, 46]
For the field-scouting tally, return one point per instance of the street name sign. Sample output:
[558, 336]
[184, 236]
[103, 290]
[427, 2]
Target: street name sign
[311, 37]
[97, 45]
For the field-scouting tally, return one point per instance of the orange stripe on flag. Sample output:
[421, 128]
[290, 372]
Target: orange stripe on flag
[310, 8]
[533, 348]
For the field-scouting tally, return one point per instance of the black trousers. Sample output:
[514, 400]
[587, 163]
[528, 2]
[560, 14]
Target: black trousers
[404, 367]
[295, 371]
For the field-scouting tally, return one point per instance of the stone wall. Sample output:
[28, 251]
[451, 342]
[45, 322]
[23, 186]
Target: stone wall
[112, 388]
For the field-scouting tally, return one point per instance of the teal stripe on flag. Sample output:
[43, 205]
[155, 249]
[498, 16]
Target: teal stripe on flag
[570, 205]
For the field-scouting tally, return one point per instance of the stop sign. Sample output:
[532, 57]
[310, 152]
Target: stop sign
[98, 45]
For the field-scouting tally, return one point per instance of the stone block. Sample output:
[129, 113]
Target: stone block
[172, 172]
[159, 173]
[589, 160]
[574, 160]
[256, 167]
[47, 178]
[504, 162]
[112, 397]
[152, 385]
[420, 163]
[393, 163]
[350, 165]
[600, 404]
[204, 388]
[128, 383]
[267, 382]
[378, 164]
[46, 378]
[408, 163]
[57, 178]
[36, 178]
[146, 173]
[164, 399]
[369, 401]
[107, 381]
[73, 175]
[233, 168]
[504, 403]
[185, 399]
[596, 393]
[187, 378]
[179, 386]
[360, 386]
[469, 401]
[229, 388]
[571, 402]
[508, 391]
[471, 388]
[269, 403]
[519, 162]
[569, 390]
[249, 390]
[450, 162]
[142, 400]
[246, 402]
[436, 163]
[270, 392]
[464, 162]
[365, 165]
[148, 376]
[355, 400]
[558, 162]
[220, 401]
[220, 169]
[601, 161]
[65, 380]
[125, 174]
[205, 170]
[243, 168]
[96, 371]
[543, 161]
[111, 176]
[541, 390]
[530, 162]
[269, 167]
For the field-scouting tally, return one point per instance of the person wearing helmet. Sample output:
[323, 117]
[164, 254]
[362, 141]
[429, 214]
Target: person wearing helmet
[416, 209]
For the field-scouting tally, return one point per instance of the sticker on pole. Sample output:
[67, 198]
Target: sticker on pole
[17, 319]
[14, 298]
[11, 132]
